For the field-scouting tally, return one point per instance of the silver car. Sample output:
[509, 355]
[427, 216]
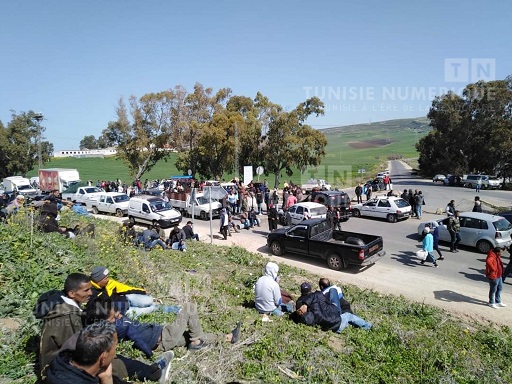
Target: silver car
[480, 230]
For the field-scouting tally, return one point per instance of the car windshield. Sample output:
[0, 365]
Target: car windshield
[317, 211]
[502, 224]
[93, 190]
[121, 198]
[203, 200]
[401, 203]
[159, 206]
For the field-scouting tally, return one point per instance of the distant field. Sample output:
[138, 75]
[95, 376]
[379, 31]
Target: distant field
[349, 149]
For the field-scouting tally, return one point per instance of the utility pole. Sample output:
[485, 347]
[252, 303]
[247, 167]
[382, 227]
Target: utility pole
[38, 117]
[237, 174]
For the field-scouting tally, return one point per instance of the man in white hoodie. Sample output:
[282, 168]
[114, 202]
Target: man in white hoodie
[268, 298]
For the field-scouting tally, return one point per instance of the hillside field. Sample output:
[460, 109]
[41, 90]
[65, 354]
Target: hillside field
[349, 149]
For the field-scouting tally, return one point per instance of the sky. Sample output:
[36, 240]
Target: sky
[367, 60]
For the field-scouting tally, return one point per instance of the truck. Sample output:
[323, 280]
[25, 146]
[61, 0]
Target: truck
[57, 179]
[339, 200]
[316, 185]
[316, 238]
[109, 202]
[19, 184]
[182, 201]
[81, 194]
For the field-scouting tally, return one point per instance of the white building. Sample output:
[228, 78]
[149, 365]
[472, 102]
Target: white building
[85, 152]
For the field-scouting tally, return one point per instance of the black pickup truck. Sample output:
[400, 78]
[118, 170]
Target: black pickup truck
[317, 239]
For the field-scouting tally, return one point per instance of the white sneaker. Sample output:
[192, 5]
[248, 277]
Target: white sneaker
[494, 306]
[164, 363]
[501, 304]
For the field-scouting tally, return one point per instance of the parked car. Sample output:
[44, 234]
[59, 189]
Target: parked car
[453, 181]
[480, 230]
[302, 211]
[390, 208]
[335, 199]
[80, 194]
[110, 202]
[486, 181]
[316, 238]
[150, 210]
[376, 184]
[439, 178]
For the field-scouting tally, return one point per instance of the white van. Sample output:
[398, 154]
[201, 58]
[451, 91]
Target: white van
[151, 209]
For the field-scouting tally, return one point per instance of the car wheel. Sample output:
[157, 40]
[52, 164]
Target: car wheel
[203, 215]
[391, 218]
[95, 210]
[276, 248]
[483, 246]
[470, 185]
[119, 213]
[132, 220]
[356, 213]
[336, 262]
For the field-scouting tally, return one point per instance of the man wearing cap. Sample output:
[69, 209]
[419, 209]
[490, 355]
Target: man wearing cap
[314, 308]
[189, 231]
[494, 272]
[268, 299]
[138, 300]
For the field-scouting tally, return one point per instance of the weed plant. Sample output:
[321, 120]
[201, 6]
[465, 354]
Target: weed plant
[409, 343]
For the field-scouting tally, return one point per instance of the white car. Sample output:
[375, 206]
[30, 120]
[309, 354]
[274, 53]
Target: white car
[439, 177]
[390, 208]
[302, 211]
[110, 202]
[480, 230]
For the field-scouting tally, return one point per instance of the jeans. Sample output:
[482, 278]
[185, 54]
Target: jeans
[140, 371]
[455, 240]
[288, 308]
[418, 211]
[156, 242]
[349, 318]
[495, 287]
[177, 247]
[141, 304]
[431, 258]
[334, 297]
[478, 186]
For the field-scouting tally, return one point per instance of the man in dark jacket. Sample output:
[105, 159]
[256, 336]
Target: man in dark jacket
[272, 217]
[314, 308]
[189, 231]
[64, 319]
[91, 361]
[177, 239]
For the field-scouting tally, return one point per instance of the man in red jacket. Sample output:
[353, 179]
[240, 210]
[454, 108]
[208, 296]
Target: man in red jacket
[494, 272]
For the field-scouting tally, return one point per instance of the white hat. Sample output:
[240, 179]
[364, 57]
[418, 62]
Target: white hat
[427, 229]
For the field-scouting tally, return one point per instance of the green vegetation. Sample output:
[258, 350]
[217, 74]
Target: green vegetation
[410, 342]
[389, 138]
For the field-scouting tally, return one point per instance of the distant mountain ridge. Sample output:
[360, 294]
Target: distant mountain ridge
[419, 124]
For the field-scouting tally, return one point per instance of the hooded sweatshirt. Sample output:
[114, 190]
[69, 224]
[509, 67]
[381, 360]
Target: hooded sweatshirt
[267, 291]
[61, 322]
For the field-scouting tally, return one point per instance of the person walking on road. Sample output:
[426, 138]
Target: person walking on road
[435, 236]
[419, 201]
[494, 272]
[454, 229]
[428, 246]
[478, 205]
[450, 208]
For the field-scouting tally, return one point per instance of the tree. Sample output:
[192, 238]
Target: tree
[19, 145]
[288, 133]
[142, 138]
[471, 132]
[89, 142]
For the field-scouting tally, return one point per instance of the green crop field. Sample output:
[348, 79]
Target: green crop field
[349, 149]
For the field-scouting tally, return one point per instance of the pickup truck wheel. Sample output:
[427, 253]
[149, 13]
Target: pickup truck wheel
[119, 213]
[483, 246]
[356, 213]
[391, 218]
[203, 215]
[336, 262]
[276, 248]
[95, 210]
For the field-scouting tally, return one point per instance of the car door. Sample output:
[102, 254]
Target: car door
[383, 208]
[101, 203]
[298, 216]
[472, 230]
[109, 204]
[368, 208]
[290, 215]
[295, 240]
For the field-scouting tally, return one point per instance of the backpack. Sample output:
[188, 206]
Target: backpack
[46, 302]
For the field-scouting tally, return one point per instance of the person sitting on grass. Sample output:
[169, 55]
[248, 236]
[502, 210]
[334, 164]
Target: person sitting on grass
[268, 296]
[189, 232]
[185, 330]
[314, 308]
[177, 239]
[132, 301]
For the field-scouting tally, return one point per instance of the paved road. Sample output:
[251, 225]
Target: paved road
[459, 285]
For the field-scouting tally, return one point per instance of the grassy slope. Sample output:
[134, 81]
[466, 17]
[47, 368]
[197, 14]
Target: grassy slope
[403, 134]
[410, 342]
